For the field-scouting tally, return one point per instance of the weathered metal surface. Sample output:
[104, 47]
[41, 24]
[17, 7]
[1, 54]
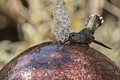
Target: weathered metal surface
[51, 61]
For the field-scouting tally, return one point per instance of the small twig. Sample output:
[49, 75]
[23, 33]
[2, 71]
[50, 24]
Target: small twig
[112, 9]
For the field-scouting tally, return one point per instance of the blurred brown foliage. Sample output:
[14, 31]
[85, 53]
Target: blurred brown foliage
[24, 23]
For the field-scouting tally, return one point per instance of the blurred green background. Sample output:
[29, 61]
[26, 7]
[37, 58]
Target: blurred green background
[24, 23]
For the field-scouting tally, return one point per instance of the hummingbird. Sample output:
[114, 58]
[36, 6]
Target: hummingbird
[86, 35]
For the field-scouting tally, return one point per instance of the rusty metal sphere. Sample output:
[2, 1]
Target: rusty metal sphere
[52, 61]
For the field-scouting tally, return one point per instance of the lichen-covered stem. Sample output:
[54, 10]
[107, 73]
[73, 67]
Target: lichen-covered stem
[61, 21]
